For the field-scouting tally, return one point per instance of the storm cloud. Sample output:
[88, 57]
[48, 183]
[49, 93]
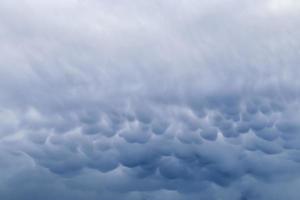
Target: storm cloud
[149, 99]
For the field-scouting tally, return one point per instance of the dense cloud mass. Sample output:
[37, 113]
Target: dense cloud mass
[159, 99]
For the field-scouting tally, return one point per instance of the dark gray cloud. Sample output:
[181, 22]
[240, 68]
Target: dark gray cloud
[149, 100]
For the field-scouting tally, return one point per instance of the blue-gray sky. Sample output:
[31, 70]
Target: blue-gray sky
[139, 99]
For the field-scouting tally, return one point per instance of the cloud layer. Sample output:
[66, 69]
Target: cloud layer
[149, 100]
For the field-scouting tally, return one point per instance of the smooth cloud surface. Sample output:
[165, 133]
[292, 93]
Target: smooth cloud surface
[149, 100]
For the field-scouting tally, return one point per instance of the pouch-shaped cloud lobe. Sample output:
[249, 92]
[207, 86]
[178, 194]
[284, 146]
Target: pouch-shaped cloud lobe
[149, 100]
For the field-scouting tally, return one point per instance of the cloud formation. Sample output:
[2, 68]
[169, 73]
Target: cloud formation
[149, 100]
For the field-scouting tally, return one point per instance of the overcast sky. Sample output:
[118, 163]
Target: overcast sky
[149, 100]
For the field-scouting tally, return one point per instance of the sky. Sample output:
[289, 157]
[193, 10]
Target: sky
[149, 100]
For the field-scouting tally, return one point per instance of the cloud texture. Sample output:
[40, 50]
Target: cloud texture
[151, 100]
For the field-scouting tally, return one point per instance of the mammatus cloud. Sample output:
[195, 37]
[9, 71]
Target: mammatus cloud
[149, 100]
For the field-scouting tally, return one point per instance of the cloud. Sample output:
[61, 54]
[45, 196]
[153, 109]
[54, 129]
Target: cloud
[149, 100]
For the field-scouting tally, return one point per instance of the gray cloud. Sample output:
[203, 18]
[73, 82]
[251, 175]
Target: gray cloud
[149, 100]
